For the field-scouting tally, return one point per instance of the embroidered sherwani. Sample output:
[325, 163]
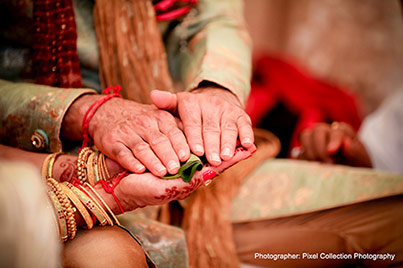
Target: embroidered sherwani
[209, 44]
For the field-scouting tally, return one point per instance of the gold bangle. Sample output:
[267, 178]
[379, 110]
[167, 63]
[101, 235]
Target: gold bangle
[104, 168]
[47, 165]
[96, 167]
[60, 216]
[68, 208]
[82, 163]
[101, 210]
[76, 201]
[87, 201]
[103, 203]
[90, 168]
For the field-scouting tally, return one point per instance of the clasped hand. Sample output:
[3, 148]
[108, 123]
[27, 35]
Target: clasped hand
[140, 136]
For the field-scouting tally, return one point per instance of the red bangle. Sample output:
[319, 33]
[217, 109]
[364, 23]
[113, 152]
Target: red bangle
[93, 108]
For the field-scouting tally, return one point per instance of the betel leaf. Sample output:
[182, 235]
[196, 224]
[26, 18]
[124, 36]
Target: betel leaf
[187, 169]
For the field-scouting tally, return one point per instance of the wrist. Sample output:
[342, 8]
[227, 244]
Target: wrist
[217, 90]
[72, 121]
[64, 168]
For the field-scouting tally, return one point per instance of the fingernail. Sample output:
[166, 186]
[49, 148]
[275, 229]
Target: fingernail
[198, 149]
[181, 154]
[209, 174]
[160, 168]
[215, 158]
[247, 141]
[140, 167]
[172, 165]
[226, 152]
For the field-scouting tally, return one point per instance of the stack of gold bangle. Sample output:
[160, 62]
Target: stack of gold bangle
[67, 199]
[67, 207]
[91, 166]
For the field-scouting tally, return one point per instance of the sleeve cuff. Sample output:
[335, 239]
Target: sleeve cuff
[32, 115]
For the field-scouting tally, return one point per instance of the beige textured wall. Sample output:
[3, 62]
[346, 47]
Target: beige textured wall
[353, 43]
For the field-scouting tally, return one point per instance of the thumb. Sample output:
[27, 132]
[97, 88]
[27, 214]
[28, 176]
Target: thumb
[164, 100]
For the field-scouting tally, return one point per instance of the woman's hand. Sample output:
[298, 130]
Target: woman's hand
[212, 119]
[137, 136]
[336, 143]
[140, 190]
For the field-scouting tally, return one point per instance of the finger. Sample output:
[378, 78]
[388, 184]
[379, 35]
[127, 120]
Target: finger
[320, 136]
[344, 127]
[168, 126]
[190, 114]
[126, 159]
[142, 151]
[164, 100]
[245, 131]
[229, 135]
[211, 134]
[355, 153]
[162, 147]
[305, 138]
[335, 141]
[114, 167]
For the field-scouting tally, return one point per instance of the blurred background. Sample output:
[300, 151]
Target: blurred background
[355, 46]
[353, 43]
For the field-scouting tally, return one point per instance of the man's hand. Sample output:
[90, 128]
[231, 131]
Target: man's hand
[137, 136]
[212, 119]
[336, 143]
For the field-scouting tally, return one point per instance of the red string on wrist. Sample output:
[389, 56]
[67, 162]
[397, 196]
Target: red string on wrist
[86, 139]
[110, 188]
[93, 108]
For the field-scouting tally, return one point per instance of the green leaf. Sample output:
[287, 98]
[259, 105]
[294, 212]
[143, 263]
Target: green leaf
[187, 170]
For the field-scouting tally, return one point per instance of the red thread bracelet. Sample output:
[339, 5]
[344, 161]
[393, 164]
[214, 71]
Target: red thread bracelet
[86, 139]
[110, 189]
[94, 107]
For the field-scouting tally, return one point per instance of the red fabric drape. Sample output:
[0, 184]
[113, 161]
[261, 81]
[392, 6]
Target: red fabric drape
[314, 101]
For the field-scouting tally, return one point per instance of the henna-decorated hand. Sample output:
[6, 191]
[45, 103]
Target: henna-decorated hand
[140, 190]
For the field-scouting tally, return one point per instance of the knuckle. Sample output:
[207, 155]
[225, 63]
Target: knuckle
[229, 126]
[244, 119]
[191, 122]
[143, 122]
[246, 129]
[121, 154]
[174, 133]
[211, 126]
[158, 140]
[163, 115]
[140, 147]
[247, 117]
